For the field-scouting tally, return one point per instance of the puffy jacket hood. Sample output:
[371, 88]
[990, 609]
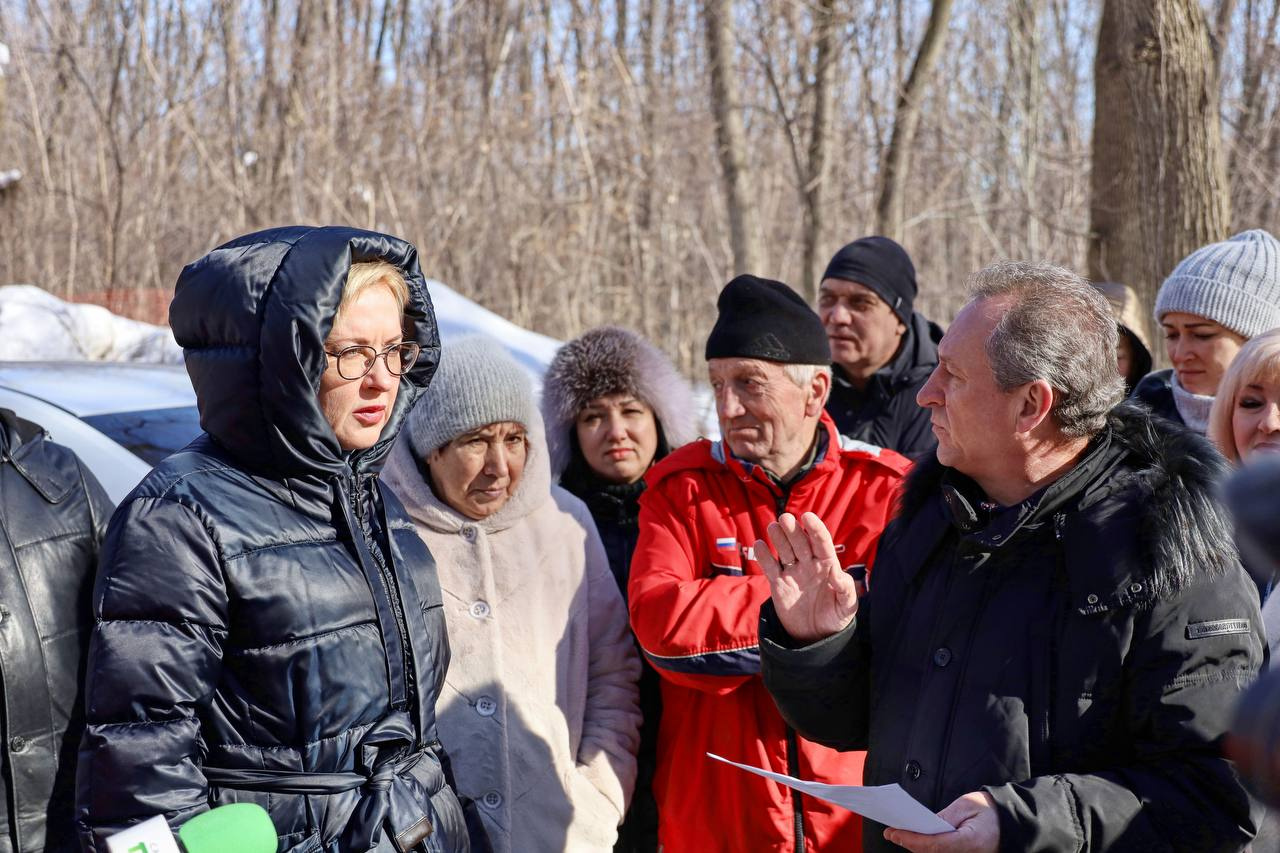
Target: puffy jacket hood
[252, 317]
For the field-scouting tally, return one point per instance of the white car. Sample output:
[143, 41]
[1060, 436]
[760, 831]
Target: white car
[120, 419]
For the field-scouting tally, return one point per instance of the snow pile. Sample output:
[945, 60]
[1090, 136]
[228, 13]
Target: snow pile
[35, 325]
[458, 317]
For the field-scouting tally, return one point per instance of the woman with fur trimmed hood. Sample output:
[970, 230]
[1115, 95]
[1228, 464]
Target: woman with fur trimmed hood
[614, 405]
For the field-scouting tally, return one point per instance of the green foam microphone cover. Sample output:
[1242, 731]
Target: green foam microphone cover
[232, 828]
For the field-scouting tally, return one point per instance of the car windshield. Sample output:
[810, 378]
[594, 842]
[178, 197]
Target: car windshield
[151, 435]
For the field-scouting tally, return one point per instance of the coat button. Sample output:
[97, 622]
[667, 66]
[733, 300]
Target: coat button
[912, 769]
[469, 532]
[1135, 588]
[1092, 599]
[492, 799]
[18, 744]
[486, 706]
[942, 656]
[480, 609]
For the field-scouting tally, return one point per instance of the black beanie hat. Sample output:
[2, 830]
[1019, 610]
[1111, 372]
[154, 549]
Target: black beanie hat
[882, 265]
[766, 319]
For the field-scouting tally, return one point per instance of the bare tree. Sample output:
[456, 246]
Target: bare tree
[731, 143]
[562, 161]
[896, 160]
[1159, 186]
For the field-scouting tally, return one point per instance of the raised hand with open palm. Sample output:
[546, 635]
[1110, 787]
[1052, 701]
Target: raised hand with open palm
[812, 594]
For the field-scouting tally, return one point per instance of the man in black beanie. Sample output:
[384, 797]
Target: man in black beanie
[695, 588]
[882, 351]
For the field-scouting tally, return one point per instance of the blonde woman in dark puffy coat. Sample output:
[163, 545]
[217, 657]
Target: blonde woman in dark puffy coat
[268, 626]
[613, 405]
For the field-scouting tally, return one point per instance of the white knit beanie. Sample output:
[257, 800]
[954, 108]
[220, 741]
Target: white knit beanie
[476, 384]
[1235, 283]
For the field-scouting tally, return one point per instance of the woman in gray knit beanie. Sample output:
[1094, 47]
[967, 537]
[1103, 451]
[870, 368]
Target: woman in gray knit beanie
[539, 708]
[1218, 297]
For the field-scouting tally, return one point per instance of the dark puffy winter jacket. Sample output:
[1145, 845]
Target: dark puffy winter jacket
[266, 611]
[1076, 656]
[886, 413]
[1156, 392]
[52, 517]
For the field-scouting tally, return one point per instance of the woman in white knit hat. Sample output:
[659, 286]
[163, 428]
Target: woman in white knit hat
[539, 710]
[1218, 297]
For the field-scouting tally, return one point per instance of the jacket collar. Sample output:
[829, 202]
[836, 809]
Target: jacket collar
[24, 446]
[1165, 474]
[824, 456]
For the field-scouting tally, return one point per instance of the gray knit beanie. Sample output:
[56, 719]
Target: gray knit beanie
[477, 383]
[1235, 283]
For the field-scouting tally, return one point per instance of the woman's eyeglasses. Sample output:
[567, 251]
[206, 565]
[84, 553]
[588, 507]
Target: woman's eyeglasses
[356, 361]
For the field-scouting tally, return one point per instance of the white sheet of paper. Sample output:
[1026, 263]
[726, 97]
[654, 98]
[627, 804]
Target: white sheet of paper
[887, 804]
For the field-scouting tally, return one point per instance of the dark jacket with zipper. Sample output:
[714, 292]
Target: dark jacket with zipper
[1076, 656]
[885, 413]
[265, 610]
[52, 517]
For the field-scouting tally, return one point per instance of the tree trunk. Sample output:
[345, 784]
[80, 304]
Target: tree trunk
[819, 142]
[894, 165]
[1158, 186]
[731, 144]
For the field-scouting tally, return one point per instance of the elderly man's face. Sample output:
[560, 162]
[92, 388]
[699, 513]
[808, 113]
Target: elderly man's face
[764, 416]
[973, 419]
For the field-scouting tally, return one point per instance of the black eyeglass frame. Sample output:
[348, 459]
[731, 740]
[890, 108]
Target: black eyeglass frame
[406, 364]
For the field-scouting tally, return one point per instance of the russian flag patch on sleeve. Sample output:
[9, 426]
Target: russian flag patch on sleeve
[727, 543]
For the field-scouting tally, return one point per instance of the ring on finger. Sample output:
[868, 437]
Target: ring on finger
[787, 565]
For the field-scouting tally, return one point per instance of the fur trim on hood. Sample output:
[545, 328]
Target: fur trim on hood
[612, 360]
[1172, 471]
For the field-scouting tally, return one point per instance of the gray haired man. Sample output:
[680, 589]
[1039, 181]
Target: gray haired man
[1057, 625]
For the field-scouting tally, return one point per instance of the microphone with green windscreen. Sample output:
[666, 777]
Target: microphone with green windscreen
[233, 828]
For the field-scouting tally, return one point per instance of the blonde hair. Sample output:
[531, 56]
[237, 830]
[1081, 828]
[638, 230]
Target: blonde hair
[1257, 361]
[366, 274]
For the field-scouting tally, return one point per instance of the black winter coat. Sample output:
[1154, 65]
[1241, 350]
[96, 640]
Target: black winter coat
[886, 413]
[266, 610]
[1156, 392]
[52, 517]
[1076, 656]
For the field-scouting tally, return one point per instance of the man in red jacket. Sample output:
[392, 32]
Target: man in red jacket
[696, 589]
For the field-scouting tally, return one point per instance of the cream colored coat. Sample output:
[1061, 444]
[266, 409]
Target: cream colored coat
[539, 712]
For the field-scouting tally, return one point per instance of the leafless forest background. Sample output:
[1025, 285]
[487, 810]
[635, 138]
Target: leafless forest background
[563, 161]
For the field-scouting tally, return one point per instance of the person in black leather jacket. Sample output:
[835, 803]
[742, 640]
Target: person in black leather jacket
[269, 623]
[613, 405]
[52, 517]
